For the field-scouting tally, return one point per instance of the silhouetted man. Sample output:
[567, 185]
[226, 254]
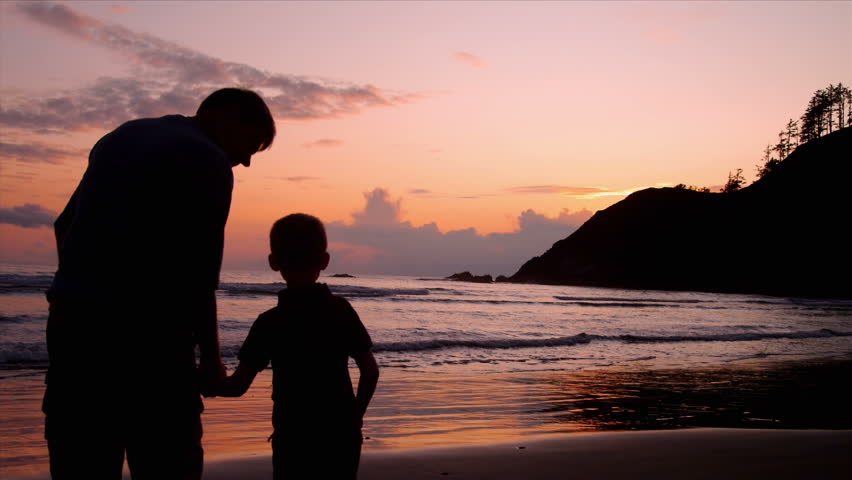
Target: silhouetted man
[140, 248]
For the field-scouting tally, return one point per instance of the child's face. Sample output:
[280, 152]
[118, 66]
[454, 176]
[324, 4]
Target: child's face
[300, 276]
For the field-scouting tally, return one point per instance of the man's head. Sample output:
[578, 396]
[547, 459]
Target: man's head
[298, 248]
[239, 121]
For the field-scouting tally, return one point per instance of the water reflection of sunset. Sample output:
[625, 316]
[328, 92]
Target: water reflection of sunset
[426, 410]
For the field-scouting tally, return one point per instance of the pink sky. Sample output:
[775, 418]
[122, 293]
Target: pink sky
[514, 119]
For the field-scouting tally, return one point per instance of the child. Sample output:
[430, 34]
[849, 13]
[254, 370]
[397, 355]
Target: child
[309, 338]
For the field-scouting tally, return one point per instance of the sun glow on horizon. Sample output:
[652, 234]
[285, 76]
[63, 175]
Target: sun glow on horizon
[466, 126]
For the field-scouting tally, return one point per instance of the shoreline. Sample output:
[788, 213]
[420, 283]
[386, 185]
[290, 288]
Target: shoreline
[670, 454]
[697, 453]
[479, 418]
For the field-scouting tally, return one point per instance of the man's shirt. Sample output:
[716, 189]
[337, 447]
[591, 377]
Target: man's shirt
[148, 217]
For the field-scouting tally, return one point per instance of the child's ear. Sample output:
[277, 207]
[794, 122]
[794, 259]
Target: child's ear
[325, 259]
[273, 262]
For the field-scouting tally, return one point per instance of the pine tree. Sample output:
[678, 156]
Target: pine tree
[843, 103]
[769, 163]
[735, 182]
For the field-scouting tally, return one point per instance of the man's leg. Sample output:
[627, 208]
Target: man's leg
[82, 443]
[166, 444]
[83, 426]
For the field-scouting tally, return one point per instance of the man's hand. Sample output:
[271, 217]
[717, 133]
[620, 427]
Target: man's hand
[210, 376]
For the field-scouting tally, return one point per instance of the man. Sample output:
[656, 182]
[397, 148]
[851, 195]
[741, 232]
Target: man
[140, 248]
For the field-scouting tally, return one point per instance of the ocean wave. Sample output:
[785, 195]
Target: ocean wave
[488, 344]
[34, 355]
[728, 337]
[497, 301]
[620, 300]
[17, 318]
[583, 338]
[23, 354]
[16, 283]
[623, 304]
[352, 291]
[346, 291]
[251, 288]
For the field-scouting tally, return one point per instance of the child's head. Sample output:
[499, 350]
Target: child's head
[298, 248]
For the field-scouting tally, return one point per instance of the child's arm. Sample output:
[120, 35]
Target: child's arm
[367, 382]
[237, 383]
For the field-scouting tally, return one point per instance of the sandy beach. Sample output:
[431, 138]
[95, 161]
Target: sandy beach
[659, 455]
[606, 424]
[701, 453]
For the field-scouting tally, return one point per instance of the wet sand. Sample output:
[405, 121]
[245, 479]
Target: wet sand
[659, 455]
[471, 424]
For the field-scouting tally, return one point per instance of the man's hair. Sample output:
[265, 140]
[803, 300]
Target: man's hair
[247, 107]
[298, 242]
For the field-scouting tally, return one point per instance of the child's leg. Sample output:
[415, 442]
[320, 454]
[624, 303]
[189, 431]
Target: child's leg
[315, 457]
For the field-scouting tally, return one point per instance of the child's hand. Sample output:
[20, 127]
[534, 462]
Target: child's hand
[233, 386]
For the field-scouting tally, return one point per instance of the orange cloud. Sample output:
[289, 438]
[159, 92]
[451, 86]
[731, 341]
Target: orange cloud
[573, 192]
[297, 179]
[469, 59]
[323, 143]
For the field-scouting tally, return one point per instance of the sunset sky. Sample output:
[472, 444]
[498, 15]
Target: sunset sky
[431, 137]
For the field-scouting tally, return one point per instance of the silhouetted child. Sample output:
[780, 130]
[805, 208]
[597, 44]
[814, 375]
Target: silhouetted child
[309, 338]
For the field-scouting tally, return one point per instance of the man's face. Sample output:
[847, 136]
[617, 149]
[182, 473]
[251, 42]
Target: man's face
[239, 142]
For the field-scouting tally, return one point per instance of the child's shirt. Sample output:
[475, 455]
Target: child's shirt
[309, 338]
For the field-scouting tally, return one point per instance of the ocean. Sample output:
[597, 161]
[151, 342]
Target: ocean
[467, 363]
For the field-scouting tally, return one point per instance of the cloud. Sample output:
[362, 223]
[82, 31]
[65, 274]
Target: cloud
[169, 78]
[378, 241]
[38, 152]
[573, 192]
[297, 179]
[673, 26]
[28, 215]
[323, 143]
[119, 8]
[469, 59]
[420, 191]
[379, 211]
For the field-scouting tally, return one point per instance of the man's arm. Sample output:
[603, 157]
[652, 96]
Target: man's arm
[206, 195]
[238, 383]
[367, 382]
[63, 222]
[207, 334]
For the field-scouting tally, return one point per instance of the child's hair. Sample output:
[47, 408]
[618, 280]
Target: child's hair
[298, 242]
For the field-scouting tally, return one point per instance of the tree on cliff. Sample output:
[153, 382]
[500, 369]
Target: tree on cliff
[735, 182]
[788, 140]
[828, 110]
[694, 188]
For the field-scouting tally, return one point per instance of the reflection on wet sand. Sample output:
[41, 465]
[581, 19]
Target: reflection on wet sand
[798, 395]
[419, 409]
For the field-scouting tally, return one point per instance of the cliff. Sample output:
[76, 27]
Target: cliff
[786, 234]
